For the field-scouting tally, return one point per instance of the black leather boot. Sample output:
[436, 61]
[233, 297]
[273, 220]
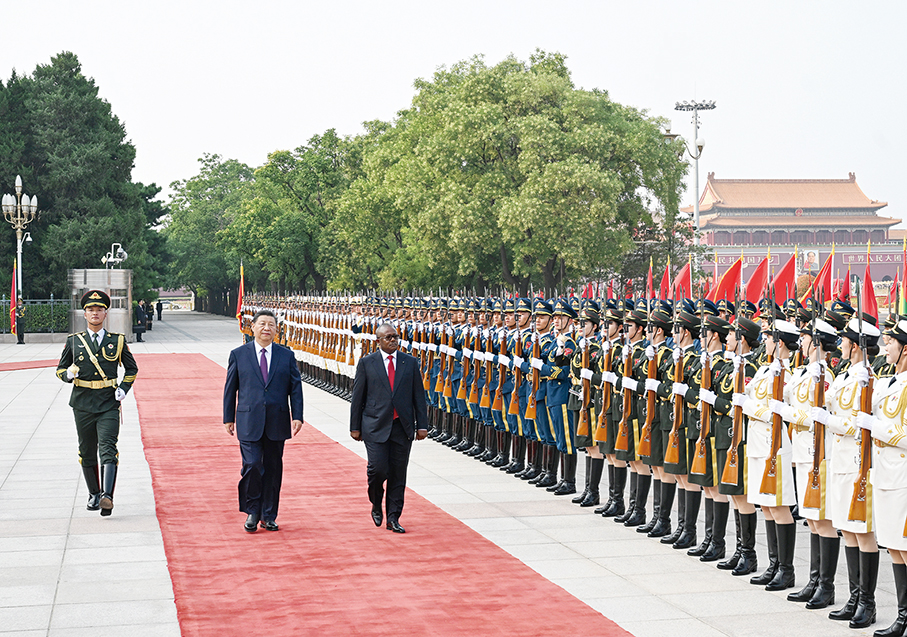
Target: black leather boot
[687, 539]
[806, 593]
[519, 455]
[771, 538]
[607, 505]
[731, 562]
[865, 613]
[717, 546]
[596, 466]
[787, 540]
[491, 445]
[656, 507]
[681, 497]
[94, 487]
[568, 486]
[620, 481]
[582, 496]
[662, 526]
[468, 429]
[709, 521]
[550, 462]
[534, 469]
[900, 588]
[638, 515]
[852, 557]
[109, 481]
[748, 562]
[631, 503]
[559, 459]
[504, 456]
[824, 595]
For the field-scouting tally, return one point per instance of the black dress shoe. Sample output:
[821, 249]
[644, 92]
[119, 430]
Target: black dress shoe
[393, 525]
[251, 524]
[269, 525]
[377, 517]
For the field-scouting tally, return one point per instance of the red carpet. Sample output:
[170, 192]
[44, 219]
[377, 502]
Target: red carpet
[10, 367]
[328, 571]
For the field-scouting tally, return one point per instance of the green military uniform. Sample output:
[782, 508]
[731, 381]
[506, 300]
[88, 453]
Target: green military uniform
[92, 368]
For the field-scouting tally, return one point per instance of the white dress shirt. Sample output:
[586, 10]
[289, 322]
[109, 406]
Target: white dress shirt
[267, 350]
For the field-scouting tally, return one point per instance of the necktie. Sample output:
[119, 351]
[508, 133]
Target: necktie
[97, 341]
[390, 377]
[264, 366]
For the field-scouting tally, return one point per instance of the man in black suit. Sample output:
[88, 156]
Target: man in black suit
[266, 379]
[387, 411]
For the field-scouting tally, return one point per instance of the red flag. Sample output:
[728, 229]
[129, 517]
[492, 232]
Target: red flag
[239, 296]
[869, 292]
[684, 282]
[784, 282]
[628, 290]
[665, 291]
[724, 287]
[587, 291]
[893, 292]
[13, 297]
[650, 284]
[844, 292]
[821, 285]
[755, 287]
[611, 289]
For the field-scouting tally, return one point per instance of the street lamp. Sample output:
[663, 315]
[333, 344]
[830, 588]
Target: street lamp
[19, 211]
[700, 144]
[116, 255]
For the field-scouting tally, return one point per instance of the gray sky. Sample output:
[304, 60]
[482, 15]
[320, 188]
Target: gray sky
[804, 89]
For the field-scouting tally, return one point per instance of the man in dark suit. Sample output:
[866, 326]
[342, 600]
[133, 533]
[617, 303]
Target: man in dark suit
[266, 379]
[387, 411]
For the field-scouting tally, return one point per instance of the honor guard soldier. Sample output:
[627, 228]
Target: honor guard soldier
[555, 371]
[586, 376]
[91, 361]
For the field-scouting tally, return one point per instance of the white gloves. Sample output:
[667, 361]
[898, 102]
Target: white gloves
[119, 394]
[702, 359]
[814, 369]
[738, 400]
[467, 353]
[866, 421]
[676, 354]
[650, 352]
[652, 384]
[70, 375]
[707, 396]
[860, 374]
[819, 415]
[486, 333]
[562, 339]
[681, 389]
[776, 406]
[475, 331]
[610, 377]
[606, 346]
[775, 368]
[536, 363]
[517, 361]
[585, 374]
[503, 360]
[629, 383]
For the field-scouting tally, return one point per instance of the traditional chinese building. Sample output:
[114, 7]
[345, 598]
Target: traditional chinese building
[749, 216]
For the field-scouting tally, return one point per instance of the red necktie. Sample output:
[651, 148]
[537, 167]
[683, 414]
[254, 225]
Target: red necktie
[390, 377]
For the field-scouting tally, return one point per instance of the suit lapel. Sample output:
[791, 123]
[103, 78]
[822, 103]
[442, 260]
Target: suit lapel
[398, 373]
[273, 367]
[256, 364]
[382, 369]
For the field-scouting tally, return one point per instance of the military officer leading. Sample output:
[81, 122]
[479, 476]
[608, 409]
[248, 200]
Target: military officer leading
[91, 361]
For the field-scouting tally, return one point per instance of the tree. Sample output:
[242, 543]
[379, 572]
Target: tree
[507, 175]
[283, 225]
[201, 207]
[72, 152]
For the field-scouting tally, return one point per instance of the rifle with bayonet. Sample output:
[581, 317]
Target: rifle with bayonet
[812, 498]
[699, 466]
[769, 483]
[672, 451]
[858, 500]
[731, 473]
[622, 442]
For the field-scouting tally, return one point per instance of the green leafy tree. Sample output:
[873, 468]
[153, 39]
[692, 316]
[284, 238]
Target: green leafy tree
[507, 175]
[72, 152]
[201, 207]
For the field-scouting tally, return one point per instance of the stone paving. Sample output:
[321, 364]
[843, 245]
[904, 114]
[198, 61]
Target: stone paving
[65, 571]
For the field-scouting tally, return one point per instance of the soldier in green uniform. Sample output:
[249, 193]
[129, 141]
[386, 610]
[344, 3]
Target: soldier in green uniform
[91, 361]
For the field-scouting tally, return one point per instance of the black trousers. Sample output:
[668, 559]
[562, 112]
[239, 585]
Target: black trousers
[98, 433]
[387, 462]
[262, 473]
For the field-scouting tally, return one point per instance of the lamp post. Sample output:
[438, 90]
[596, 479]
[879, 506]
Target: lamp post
[700, 144]
[19, 211]
[116, 256]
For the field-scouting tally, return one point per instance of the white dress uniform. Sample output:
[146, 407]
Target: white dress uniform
[888, 476]
[843, 403]
[759, 393]
[801, 401]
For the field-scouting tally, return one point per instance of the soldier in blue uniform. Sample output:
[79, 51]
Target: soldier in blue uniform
[91, 361]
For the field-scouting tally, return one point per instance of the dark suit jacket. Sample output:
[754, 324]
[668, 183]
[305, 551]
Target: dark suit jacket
[373, 403]
[262, 409]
